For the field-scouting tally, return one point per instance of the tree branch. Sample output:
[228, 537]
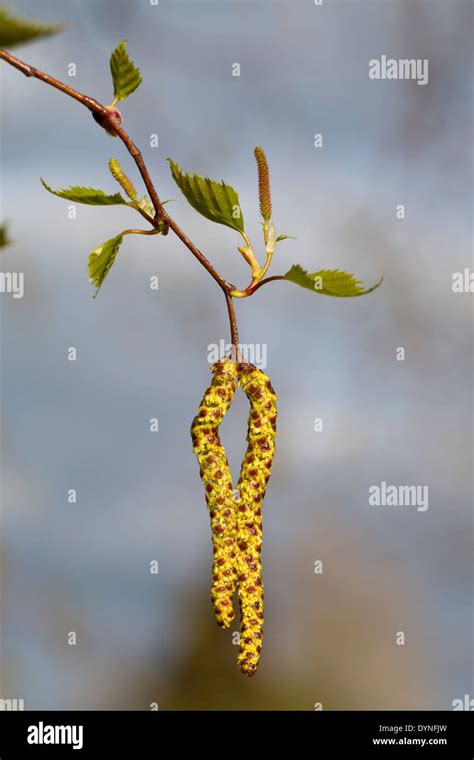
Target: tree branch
[105, 117]
[234, 331]
[251, 290]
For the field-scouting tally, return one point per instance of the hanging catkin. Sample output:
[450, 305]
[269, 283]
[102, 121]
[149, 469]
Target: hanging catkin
[217, 479]
[254, 476]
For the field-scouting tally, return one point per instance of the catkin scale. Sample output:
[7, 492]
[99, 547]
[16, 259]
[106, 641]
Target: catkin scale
[215, 474]
[254, 476]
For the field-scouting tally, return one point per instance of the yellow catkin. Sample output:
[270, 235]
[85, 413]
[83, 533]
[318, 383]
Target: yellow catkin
[254, 476]
[217, 479]
[118, 174]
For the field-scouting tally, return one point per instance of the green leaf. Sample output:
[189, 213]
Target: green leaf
[15, 31]
[284, 237]
[217, 202]
[329, 282]
[101, 260]
[87, 195]
[125, 75]
[4, 236]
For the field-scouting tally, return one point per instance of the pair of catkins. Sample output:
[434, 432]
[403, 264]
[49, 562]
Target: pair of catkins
[236, 515]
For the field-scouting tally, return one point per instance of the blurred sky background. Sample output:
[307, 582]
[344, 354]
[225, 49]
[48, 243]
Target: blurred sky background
[84, 567]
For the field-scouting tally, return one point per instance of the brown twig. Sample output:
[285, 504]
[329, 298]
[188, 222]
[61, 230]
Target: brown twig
[251, 290]
[226, 286]
[234, 330]
[105, 117]
[140, 232]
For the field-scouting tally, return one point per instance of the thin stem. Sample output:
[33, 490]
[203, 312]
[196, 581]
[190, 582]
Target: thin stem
[268, 261]
[250, 290]
[226, 286]
[234, 331]
[138, 158]
[105, 117]
[259, 273]
[265, 281]
[249, 255]
[141, 232]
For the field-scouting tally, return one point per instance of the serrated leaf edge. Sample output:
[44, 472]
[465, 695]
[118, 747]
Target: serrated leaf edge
[355, 282]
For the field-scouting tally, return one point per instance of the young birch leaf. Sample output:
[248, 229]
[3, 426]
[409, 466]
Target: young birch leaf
[217, 202]
[125, 75]
[15, 31]
[87, 195]
[101, 260]
[329, 282]
[284, 237]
